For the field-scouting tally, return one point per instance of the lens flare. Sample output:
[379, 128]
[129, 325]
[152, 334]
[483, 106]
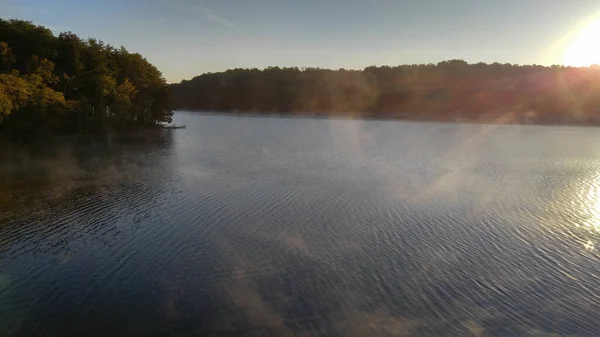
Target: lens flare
[584, 49]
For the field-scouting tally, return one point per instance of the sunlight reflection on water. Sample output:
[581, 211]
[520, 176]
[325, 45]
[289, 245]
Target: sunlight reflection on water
[589, 199]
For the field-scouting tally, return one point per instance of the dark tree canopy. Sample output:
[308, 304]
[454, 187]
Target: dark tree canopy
[451, 90]
[56, 85]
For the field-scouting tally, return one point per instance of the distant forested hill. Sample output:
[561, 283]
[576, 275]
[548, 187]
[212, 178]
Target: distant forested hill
[448, 91]
[56, 85]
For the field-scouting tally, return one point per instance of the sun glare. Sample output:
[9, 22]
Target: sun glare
[584, 49]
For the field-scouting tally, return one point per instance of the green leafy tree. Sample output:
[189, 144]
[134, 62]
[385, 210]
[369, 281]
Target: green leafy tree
[452, 90]
[42, 68]
[7, 59]
[51, 85]
[6, 104]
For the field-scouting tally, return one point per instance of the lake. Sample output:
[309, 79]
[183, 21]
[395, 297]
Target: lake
[303, 227]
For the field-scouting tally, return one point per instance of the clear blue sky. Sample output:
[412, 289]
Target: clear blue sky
[184, 38]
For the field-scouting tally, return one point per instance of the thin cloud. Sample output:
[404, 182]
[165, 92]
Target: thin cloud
[54, 29]
[216, 18]
[206, 12]
[193, 25]
[29, 9]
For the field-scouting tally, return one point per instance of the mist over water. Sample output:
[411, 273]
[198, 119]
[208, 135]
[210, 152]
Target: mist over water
[303, 227]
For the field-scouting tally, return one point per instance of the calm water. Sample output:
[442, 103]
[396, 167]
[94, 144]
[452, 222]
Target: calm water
[303, 227]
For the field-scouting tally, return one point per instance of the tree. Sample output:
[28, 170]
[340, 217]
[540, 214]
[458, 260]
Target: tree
[7, 59]
[447, 91]
[124, 97]
[64, 84]
[6, 104]
[42, 68]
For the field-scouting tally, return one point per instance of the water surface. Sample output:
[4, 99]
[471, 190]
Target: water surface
[303, 227]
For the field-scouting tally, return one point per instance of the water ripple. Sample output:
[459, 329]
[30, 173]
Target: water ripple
[308, 227]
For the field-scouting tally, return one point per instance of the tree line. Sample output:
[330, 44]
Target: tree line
[451, 90]
[64, 84]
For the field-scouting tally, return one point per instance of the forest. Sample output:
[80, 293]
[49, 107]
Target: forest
[53, 85]
[449, 91]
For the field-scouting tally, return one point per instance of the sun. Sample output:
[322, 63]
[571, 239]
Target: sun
[584, 49]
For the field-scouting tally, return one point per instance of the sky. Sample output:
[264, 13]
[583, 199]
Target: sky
[185, 38]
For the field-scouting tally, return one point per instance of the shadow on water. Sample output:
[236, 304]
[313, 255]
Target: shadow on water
[58, 215]
[31, 168]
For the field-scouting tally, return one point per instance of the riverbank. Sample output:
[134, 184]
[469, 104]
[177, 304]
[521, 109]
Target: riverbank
[405, 117]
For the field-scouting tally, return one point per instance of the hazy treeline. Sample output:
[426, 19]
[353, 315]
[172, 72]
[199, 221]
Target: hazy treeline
[55, 85]
[448, 91]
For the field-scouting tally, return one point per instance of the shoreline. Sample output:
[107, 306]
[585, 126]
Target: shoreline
[498, 122]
